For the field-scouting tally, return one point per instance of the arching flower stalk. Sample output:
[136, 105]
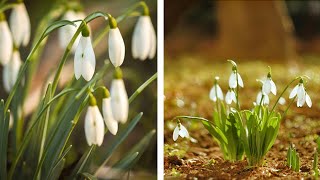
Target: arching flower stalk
[93, 125]
[66, 32]
[20, 25]
[116, 44]
[6, 44]
[84, 58]
[144, 40]
[119, 98]
[11, 71]
[111, 123]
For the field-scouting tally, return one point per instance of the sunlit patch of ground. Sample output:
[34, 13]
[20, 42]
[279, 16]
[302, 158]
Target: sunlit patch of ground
[187, 84]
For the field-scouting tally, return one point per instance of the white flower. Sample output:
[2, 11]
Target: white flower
[144, 39]
[119, 101]
[6, 44]
[233, 80]
[116, 47]
[84, 59]
[230, 96]
[264, 101]
[216, 92]
[94, 126]
[20, 25]
[269, 86]
[301, 94]
[111, 123]
[11, 71]
[180, 130]
[66, 32]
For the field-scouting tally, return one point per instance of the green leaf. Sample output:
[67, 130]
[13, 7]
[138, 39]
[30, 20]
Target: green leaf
[88, 176]
[56, 172]
[125, 163]
[119, 138]
[4, 131]
[142, 87]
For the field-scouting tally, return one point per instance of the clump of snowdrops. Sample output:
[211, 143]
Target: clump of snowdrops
[246, 131]
[38, 145]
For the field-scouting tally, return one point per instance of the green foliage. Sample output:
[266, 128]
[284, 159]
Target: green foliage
[293, 159]
[225, 130]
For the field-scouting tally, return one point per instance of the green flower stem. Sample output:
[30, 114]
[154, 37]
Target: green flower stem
[193, 118]
[27, 137]
[237, 95]
[142, 87]
[284, 90]
[7, 6]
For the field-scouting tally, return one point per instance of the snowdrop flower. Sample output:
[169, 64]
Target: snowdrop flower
[264, 101]
[180, 130]
[230, 96]
[234, 77]
[302, 95]
[119, 98]
[6, 44]
[144, 39]
[20, 25]
[111, 123]
[116, 44]
[66, 32]
[216, 92]
[84, 58]
[93, 125]
[269, 86]
[282, 101]
[11, 71]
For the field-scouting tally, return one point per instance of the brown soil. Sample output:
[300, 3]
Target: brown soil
[187, 85]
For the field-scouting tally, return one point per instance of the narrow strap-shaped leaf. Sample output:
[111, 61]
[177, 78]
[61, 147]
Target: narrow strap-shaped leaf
[120, 137]
[142, 87]
[88, 176]
[125, 163]
[57, 170]
[58, 163]
[143, 144]
[4, 127]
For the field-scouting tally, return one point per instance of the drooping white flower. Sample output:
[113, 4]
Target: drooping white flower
[116, 47]
[11, 71]
[233, 80]
[216, 92]
[269, 86]
[6, 45]
[94, 125]
[230, 96]
[264, 101]
[180, 130]
[301, 94]
[119, 98]
[111, 123]
[84, 58]
[66, 32]
[20, 25]
[144, 39]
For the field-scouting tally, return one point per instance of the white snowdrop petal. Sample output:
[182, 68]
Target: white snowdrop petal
[153, 42]
[11, 71]
[175, 133]
[116, 47]
[20, 25]
[240, 80]
[273, 87]
[6, 45]
[141, 38]
[89, 59]
[233, 97]
[233, 80]
[301, 93]
[183, 131]
[301, 100]
[219, 92]
[212, 94]
[266, 87]
[6, 74]
[88, 126]
[265, 99]
[78, 60]
[111, 123]
[294, 92]
[99, 126]
[228, 98]
[119, 101]
[308, 100]
[258, 100]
